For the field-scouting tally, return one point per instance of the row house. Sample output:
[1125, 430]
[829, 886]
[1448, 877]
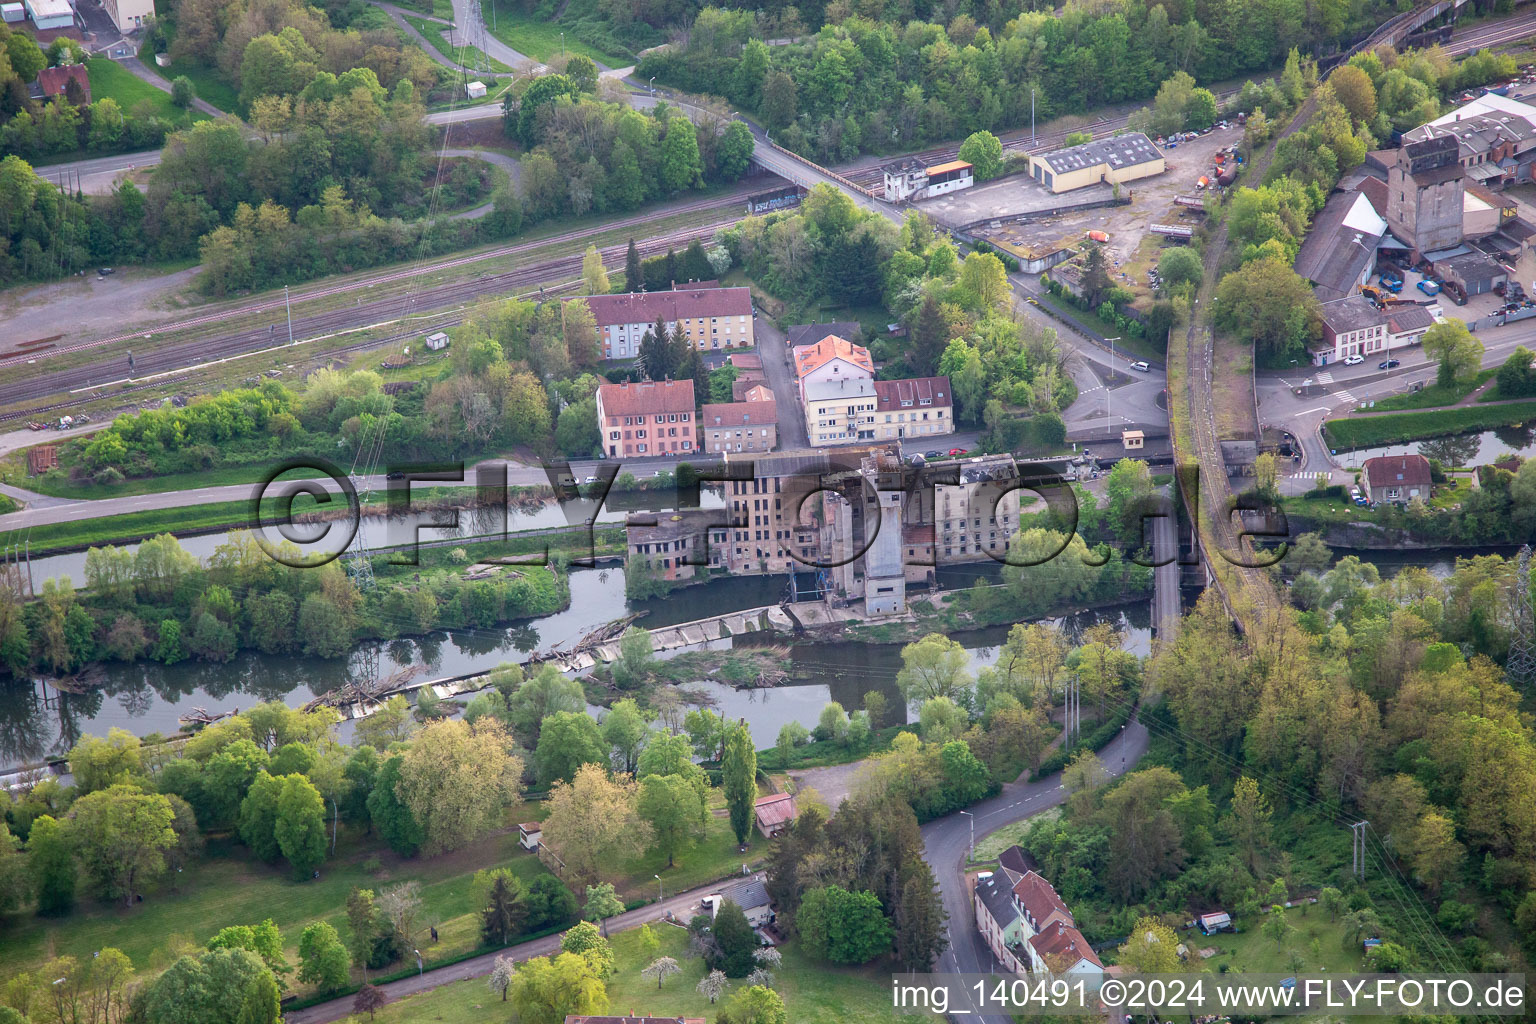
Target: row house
[649, 418]
[711, 319]
[1356, 326]
[915, 408]
[1028, 927]
[751, 426]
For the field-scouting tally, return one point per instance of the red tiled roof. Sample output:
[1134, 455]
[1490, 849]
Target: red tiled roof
[648, 307]
[812, 357]
[738, 414]
[53, 81]
[1065, 942]
[916, 392]
[645, 398]
[752, 389]
[1039, 898]
[1387, 470]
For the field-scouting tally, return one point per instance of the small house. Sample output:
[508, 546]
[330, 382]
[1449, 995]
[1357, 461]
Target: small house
[1398, 478]
[13, 13]
[1217, 921]
[775, 814]
[475, 90]
[1133, 440]
[437, 342]
[751, 896]
[529, 833]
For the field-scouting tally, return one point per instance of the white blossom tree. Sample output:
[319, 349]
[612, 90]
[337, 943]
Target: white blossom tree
[662, 968]
[501, 976]
[712, 986]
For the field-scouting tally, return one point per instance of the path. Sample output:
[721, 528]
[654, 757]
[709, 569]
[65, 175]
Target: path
[464, 17]
[507, 163]
[680, 905]
[773, 350]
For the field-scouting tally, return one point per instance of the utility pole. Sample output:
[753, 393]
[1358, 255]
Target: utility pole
[1520, 669]
[1357, 831]
[1031, 117]
[289, 306]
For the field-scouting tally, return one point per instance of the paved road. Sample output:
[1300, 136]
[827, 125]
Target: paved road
[509, 164]
[430, 48]
[947, 840]
[773, 348]
[144, 73]
[681, 905]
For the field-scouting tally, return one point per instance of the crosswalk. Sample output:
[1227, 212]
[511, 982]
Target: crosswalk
[1326, 378]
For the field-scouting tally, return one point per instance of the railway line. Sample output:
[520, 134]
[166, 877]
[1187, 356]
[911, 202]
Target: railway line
[428, 309]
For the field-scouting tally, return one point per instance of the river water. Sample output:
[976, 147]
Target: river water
[1460, 450]
[144, 697]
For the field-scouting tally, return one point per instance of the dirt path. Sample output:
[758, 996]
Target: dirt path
[92, 303]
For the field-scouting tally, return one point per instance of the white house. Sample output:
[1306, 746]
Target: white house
[751, 896]
[475, 90]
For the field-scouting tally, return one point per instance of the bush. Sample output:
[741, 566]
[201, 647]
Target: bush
[1101, 734]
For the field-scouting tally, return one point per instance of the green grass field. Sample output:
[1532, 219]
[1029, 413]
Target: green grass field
[108, 79]
[1435, 395]
[230, 888]
[540, 39]
[812, 990]
[1318, 941]
[1398, 428]
[1127, 347]
[716, 856]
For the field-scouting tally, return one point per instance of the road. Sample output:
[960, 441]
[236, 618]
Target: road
[681, 905]
[1336, 389]
[946, 841]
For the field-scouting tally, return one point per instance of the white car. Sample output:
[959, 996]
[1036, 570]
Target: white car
[1353, 360]
[1141, 367]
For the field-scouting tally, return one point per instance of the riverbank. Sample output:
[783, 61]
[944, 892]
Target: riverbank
[1368, 431]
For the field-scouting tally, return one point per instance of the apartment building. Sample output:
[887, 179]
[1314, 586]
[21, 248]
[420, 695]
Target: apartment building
[840, 411]
[711, 319]
[1028, 927]
[915, 408]
[647, 418]
[829, 360]
[751, 426]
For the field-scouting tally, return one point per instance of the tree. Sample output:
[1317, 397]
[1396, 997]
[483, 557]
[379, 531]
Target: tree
[673, 808]
[754, 1005]
[1248, 823]
[625, 729]
[593, 275]
[602, 903]
[681, 165]
[1129, 488]
[984, 152]
[841, 926]
[182, 92]
[500, 978]
[583, 344]
[547, 991]
[505, 911]
[1151, 948]
[97, 763]
[738, 775]
[984, 281]
[712, 986]
[1275, 926]
[733, 152]
[584, 940]
[780, 102]
[370, 999]
[633, 665]
[919, 918]
[593, 823]
[706, 731]
[393, 819]
[1266, 303]
[1460, 353]
[661, 969]
[735, 941]
[389, 723]
[568, 740]
[263, 939]
[50, 862]
[26, 57]
[456, 779]
[120, 835]
[582, 71]
[299, 827]
[323, 958]
[1355, 90]
[1178, 265]
[400, 904]
[634, 279]
[935, 666]
[221, 986]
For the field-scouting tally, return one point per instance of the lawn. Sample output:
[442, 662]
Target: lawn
[108, 79]
[1435, 395]
[1127, 348]
[1318, 941]
[812, 990]
[990, 846]
[716, 856]
[1397, 428]
[229, 887]
[539, 38]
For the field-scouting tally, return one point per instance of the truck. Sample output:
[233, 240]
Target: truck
[1429, 287]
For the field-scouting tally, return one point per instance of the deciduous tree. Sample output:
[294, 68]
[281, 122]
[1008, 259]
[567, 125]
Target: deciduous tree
[738, 774]
[593, 824]
[456, 780]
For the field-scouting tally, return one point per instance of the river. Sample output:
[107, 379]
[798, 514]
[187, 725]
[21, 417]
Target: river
[144, 697]
[1477, 449]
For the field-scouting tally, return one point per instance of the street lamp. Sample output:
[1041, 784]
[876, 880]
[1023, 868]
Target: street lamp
[1108, 395]
[968, 814]
[420, 970]
[562, 44]
[653, 85]
[659, 894]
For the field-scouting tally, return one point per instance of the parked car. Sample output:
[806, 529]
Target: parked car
[957, 452]
[104, 271]
[1389, 364]
[394, 474]
[1141, 367]
[1353, 360]
[1359, 499]
[935, 454]
[1429, 287]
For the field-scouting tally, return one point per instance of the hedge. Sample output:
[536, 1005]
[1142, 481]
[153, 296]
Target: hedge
[1101, 734]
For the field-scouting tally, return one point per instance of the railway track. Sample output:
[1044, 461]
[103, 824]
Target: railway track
[428, 309]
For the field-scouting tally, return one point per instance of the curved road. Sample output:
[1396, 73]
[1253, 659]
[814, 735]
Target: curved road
[946, 841]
